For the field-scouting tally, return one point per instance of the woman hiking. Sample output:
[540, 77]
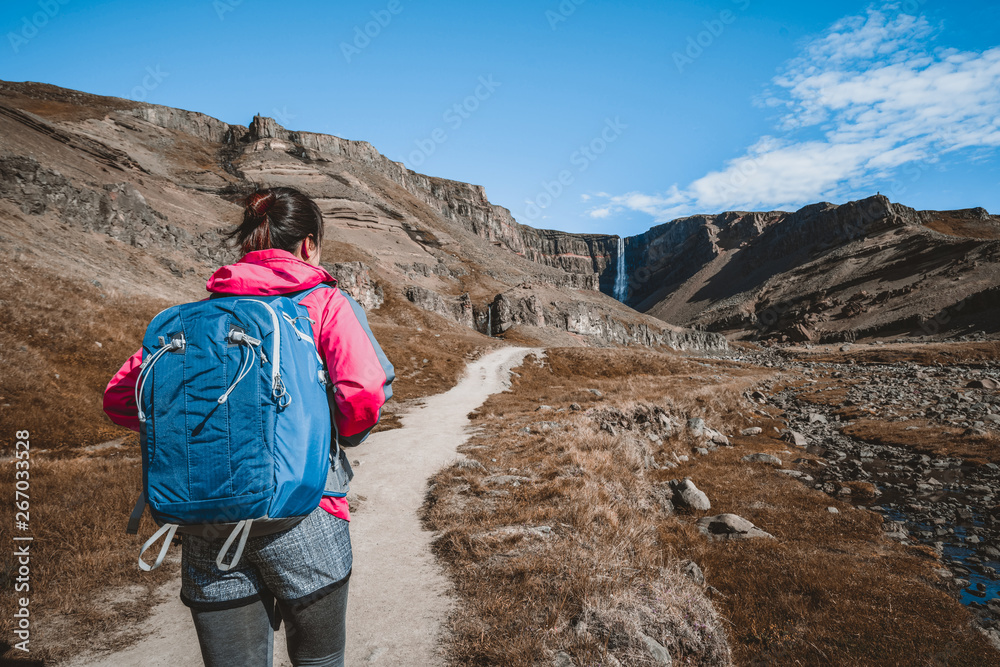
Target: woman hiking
[298, 576]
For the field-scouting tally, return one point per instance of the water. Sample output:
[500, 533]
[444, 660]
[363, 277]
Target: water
[489, 322]
[619, 289]
[942, 502]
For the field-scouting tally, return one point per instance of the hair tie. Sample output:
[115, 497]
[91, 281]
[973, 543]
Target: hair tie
[259, 202]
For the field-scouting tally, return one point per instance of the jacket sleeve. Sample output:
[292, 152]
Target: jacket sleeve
[359, 370]
[119, 396]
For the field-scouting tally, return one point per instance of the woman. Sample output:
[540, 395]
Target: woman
[299, 576]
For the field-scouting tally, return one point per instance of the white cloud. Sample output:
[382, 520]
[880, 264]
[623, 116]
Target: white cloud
[869, 95]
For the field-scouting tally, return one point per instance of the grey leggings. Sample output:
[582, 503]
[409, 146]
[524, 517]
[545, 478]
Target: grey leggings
[314, 631]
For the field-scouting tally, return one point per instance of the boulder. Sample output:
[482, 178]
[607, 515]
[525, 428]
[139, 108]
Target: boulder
[761, 457]
[796, 438]
[686, 494]
[657, 651]
[716, 438]
[730, 527]
[985, 383]
[693, 572]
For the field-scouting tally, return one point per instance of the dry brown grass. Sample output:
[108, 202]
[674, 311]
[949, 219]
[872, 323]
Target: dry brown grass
[947, 222]
[77, 519]
[928, 438]
[63, 341]
[828, 590]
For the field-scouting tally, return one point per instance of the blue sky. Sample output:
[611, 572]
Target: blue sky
[581, 115]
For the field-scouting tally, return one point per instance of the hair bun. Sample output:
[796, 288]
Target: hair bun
[259, 203]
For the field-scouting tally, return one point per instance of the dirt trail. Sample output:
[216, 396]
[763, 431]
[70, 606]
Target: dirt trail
[399, 596]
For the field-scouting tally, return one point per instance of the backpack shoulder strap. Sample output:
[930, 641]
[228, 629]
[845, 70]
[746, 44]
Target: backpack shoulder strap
[297, 297]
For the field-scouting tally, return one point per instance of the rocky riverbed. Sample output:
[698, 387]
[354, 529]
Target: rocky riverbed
[926, 496]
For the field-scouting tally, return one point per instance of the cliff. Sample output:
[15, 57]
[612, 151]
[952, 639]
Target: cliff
[160, 186]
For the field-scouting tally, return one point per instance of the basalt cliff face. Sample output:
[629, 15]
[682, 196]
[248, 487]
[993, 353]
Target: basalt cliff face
[869, 268]
[137, 197]
[165, 182]
[586, 258]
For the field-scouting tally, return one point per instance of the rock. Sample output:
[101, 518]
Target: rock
[657, 652]
[730, 527]
[985, 383]
[470, 464]
[975, 432]
[716, 438]
[761, 457]
[563, 659]
[545, 426]
[512, 480]
[801, 334]
[355, 278]
[688, 495]
[456, 309]
[575, 407]
[596, 392]
[796, 438]
[816, 418]
[696, 426]
[693, 572]
[833, 510]
[753, 430]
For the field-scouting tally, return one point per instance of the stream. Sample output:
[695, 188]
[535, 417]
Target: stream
[946, 503]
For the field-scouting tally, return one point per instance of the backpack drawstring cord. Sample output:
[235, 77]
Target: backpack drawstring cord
[246, 362]
[147, 366]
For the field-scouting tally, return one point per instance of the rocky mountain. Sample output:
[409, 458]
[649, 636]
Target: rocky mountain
[828, 273]
[135, 197]
[163, 182]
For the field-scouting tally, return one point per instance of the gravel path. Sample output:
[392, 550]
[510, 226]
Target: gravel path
[399, 596]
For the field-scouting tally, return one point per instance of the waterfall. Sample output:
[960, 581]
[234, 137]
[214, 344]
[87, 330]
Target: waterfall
[489, 322]
[619, 289]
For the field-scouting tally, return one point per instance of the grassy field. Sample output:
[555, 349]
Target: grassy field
[558, 539]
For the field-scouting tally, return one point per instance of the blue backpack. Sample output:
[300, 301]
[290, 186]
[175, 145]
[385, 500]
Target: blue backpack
[235, 422]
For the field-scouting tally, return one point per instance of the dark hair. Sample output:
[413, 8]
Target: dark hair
[277, 218]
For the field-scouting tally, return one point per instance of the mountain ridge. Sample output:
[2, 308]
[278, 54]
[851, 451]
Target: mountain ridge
[159, 181]
[718, 272]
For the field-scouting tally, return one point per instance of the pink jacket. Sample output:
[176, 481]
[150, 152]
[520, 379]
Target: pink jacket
[361, 373]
